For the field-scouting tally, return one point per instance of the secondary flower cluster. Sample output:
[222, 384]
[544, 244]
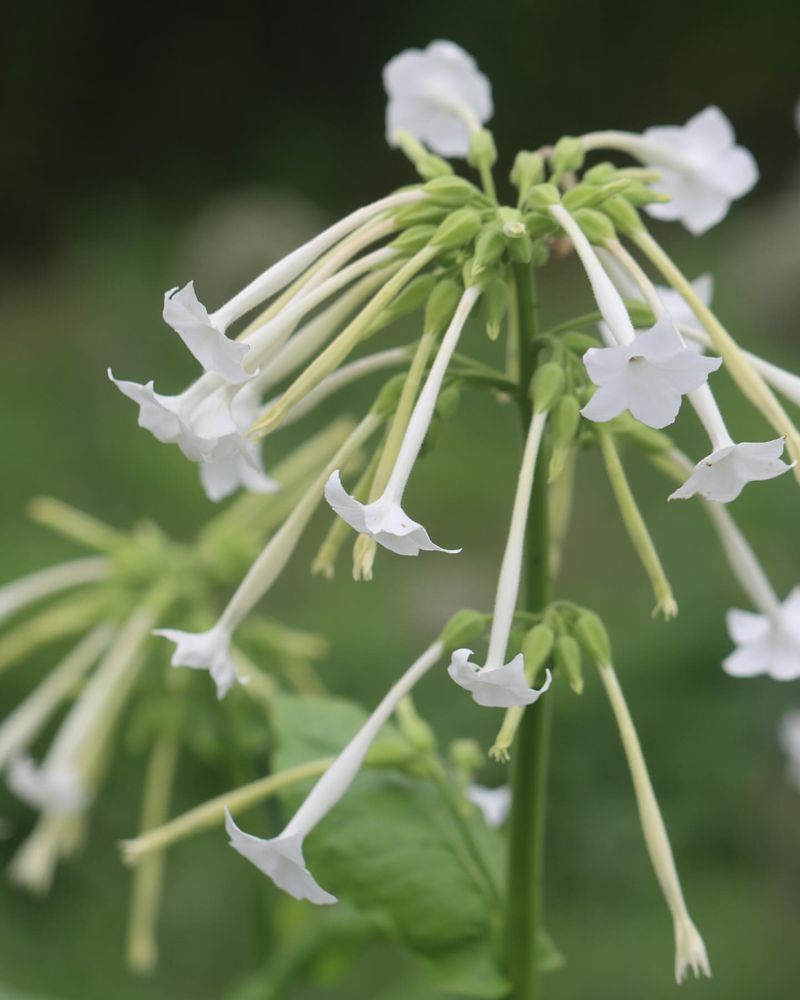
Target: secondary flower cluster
[449, 250]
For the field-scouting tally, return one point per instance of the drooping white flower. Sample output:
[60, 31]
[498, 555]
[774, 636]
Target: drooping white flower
[789, 735]
[766, 644]
[723, 474]
[494, 803]
[439, 95]
[384, 519]
[648, 376]
[500, 686]
[702, 169]
[209, 650]
[217, 353]
[54, 788]
[281, 857]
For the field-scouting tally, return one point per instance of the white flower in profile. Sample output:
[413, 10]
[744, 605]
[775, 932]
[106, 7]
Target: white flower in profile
[495, 685]
[189, 318]
[648, 376]
[439, 95]
[702, 169]
[50, 788]
[281, 857]
[384, 519]
[494, 803]
[723, 474]
[209, 650]
[789, 735]
[766, 644]
[163, 417]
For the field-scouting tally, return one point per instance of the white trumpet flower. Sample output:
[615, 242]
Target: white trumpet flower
[499, 685]
[649, 376]
[439, 95]
[766, 643]
[701, 167]
[281, 857]
[384, 519]
[723, 474]
[211, 650]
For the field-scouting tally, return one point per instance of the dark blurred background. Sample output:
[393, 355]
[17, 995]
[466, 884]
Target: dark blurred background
[144, 146]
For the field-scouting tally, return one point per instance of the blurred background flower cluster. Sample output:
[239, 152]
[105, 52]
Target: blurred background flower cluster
[143, 150]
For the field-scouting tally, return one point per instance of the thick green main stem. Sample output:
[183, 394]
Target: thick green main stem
[529, 780]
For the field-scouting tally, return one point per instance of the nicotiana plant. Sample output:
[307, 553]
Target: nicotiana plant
[413, 847]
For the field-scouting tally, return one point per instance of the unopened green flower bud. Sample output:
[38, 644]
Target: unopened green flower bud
[441, 305]
[466, 757]
[537, 644]
[414, 238]
[495, 305]
[412, 297]
[457, 229]
[419, 212]
[600, 173]
[547, 385]
[564, 421]
[415, 729]
[452, 190]
[426, 163]
[489, 248]
[597, 227]
[482, 149]
[540, 254]
[623, 215]
[528, 170]
[539, 224]
[593, 636]
[582, 196]
[447, 401]
[567, 656]
[640, 313]
[520, 249]
[431, 435]
[638, 195]
[579, 342]
[386, 401]
[463, 629]
[568, 155]
[542, 196]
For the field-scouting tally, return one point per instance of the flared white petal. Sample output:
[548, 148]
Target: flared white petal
[281, 859]
[494, 803]
[495, 687]
[723, 474]
[766, 644]
[205, 651]
[189, 318]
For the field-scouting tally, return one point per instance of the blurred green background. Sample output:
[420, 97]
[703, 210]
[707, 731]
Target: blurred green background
[147, 147]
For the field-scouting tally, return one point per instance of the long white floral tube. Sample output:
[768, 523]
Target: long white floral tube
[20, 593]
[280, 274]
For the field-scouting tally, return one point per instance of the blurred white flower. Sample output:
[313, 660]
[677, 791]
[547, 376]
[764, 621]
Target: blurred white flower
[439, 95]
[702, 169]
[205, 651]
[494, 803]
[53, 789]
[648, 376]
[766, 644]
[723, 474]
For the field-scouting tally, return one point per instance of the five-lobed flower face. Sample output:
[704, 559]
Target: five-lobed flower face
[209, 650]
[439, 95]
[766, 645]
[648, 377]
[723, 474]
[703, 170]
[495, 687]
